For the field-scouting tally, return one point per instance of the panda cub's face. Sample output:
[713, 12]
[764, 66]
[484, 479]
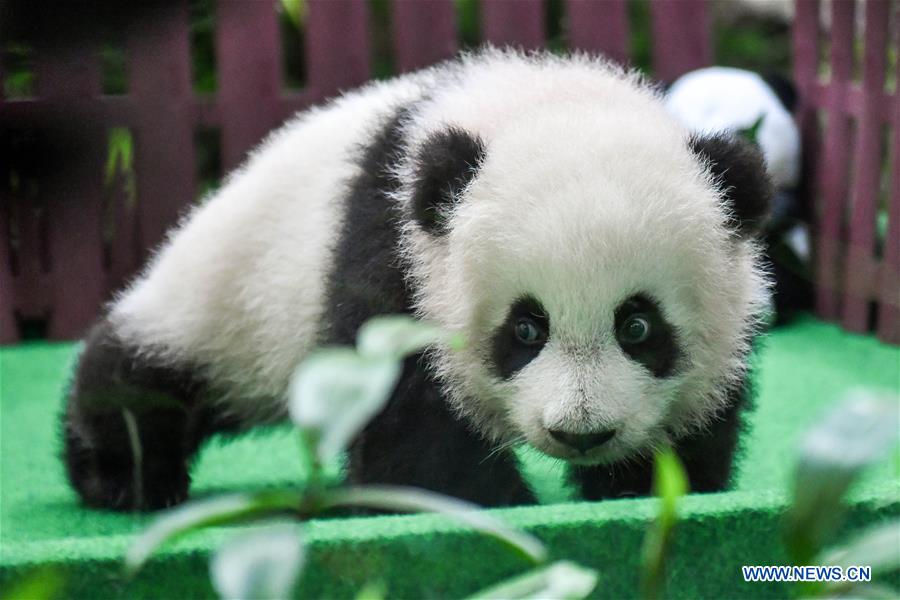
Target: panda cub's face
[606, 286]
[593, 400]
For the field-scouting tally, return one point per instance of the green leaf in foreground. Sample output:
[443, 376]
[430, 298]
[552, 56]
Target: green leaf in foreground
[669, 484]
[261, 564]
[854, 435]
[396, 336]
[877, 547]
[862, 591]
[335, 392]
[394, 498]
[296, 11]
[374, 590]
[561, 580]
[205, 513]
[44, 583]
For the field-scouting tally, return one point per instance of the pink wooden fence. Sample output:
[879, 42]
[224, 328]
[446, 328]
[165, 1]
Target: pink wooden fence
[858, 274]
[59, 267]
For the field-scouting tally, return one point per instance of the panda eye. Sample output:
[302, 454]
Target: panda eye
[528, 332]
[635, 330]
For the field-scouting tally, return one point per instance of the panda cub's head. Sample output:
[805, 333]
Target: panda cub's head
[599, 261]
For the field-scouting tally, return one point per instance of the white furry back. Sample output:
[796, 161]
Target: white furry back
[239, 286]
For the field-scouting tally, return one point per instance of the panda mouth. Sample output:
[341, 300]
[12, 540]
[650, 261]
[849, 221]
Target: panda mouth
[594, 456]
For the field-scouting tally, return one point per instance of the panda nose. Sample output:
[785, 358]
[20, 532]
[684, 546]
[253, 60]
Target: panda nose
[583, 441]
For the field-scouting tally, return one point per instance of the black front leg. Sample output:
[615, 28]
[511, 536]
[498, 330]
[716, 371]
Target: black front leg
[131, 426]
[418, 441]
[707, 457]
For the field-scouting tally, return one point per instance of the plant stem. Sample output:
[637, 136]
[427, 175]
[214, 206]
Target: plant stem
[315, 478]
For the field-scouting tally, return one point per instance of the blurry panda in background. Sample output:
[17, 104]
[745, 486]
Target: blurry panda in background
[724, 99]
[600, 261]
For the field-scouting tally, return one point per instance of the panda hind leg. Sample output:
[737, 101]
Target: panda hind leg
[131, 427]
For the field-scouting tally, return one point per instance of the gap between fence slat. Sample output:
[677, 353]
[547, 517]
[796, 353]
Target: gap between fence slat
[124, 248]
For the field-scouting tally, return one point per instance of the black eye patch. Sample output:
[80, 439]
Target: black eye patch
[645, 336]
[521, 336]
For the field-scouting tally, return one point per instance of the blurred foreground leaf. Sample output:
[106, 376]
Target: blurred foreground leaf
[395, 498]
[852, 436]
[562, 580]
[44, 583]
[877, 547]
[335, 392]
[397, 336]
[372, 591]
[262, 564]
[670, 483]
[861, 591]
[205, 513]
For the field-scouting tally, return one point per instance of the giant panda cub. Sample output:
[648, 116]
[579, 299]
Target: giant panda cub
[600, 261]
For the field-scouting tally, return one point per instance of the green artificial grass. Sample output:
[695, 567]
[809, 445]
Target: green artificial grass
[801, 370]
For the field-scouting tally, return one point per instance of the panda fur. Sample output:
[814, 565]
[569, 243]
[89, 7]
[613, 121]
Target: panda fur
[546, 208]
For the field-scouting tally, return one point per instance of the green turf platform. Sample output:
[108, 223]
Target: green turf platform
[801, 370]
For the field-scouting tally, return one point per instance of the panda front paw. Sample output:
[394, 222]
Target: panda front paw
[110, 472]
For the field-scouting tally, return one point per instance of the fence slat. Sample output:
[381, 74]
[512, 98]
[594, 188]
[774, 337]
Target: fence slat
[889, 284]
[249, 74]
[518, 23]
[32, 292]
[68, 79]
[805, 41]
[860, 263]
[337, 46]
[833, 170]
[599, 27]
[159, 61]
[8, 330]
[424, 33]
[681, 37]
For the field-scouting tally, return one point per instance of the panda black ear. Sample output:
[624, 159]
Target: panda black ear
[447, 162]
[740, 172]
